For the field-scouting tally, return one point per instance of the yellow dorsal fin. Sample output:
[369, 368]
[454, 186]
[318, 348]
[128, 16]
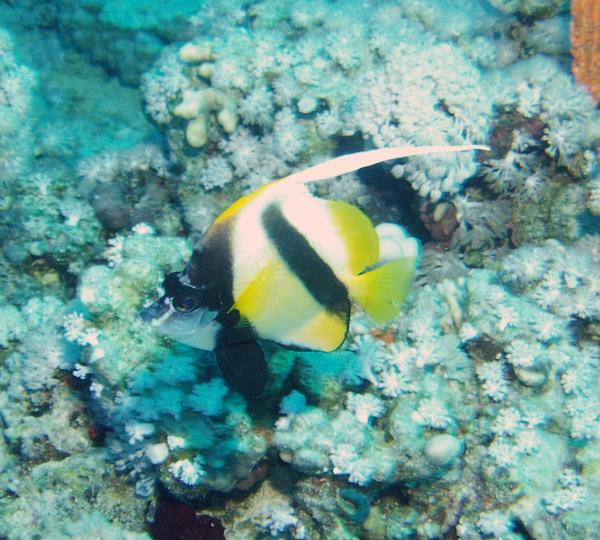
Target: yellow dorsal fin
[358, 234]
[383, 290]
[240, 203]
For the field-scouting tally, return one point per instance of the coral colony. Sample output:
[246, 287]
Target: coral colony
[127, 127]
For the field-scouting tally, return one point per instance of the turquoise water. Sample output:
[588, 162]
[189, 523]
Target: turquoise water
[126, 128]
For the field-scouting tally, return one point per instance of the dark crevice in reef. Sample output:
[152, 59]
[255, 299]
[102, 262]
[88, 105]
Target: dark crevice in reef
[393, 199]
[176, 520]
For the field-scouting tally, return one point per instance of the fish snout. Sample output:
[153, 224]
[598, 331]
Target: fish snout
[155, 311]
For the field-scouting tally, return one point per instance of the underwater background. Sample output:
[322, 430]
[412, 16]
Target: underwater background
[127, 126]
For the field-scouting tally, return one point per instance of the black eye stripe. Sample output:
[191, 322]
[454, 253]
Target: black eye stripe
[171, 284]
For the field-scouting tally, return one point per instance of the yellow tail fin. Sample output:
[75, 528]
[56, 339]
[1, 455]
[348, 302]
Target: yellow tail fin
[383, 290]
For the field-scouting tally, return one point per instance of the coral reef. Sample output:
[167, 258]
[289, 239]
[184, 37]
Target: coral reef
[124, 38]
[125, 127]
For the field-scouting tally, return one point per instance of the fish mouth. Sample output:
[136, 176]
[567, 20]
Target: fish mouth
[154, 313]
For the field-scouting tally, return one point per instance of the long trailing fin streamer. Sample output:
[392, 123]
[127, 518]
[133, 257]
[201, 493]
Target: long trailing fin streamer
[352, 162]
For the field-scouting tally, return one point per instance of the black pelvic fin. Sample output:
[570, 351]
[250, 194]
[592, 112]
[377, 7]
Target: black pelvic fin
[244, 367]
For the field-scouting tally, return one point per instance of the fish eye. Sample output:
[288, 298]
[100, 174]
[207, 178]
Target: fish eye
[186, 302]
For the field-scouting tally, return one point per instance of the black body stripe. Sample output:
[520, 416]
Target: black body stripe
[211, 271]
[210, 268]
[305, 262]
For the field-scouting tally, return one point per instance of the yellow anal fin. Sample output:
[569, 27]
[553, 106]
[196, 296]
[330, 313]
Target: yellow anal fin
[279, 308]
[358, 234]
[381, 292]
[323, 332]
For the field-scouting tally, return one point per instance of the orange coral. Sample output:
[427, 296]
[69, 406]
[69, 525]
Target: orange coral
[585, 44]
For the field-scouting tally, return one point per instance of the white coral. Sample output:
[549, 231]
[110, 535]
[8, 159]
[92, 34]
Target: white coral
[364, 406]
[277, 518]
[432, 413]
[188, 472]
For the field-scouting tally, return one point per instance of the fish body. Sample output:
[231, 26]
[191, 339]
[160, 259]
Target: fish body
[282, 265]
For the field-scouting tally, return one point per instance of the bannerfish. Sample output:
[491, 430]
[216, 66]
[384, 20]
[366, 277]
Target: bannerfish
[282, 265]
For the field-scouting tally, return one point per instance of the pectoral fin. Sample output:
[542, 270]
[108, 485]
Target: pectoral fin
[381, 292]
[244, 367]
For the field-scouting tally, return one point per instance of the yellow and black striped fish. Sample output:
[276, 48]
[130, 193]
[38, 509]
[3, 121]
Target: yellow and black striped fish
[282, 265]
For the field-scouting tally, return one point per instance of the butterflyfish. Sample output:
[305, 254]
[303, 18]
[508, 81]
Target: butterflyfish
[282, 265]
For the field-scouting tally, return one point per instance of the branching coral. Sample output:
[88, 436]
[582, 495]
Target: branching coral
[393, 104]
